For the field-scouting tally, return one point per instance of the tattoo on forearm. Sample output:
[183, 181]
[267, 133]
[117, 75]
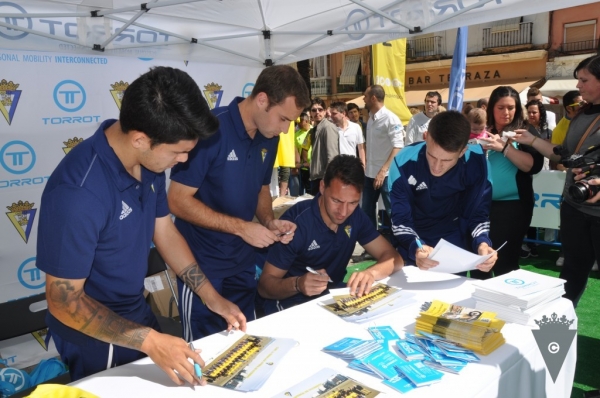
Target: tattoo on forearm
[193, 276]
[92, 318]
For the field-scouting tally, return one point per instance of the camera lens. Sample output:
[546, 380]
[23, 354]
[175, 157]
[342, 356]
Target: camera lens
[582, 191]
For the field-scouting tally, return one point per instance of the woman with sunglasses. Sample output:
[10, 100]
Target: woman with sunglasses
[579, 221]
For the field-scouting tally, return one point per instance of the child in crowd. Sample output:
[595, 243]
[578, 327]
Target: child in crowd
[478, 120]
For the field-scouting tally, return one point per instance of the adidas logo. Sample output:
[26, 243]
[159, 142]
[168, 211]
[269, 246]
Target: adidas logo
[412, 180]
[232, 156]
[313, 246]
[422, 186]
[125, 211]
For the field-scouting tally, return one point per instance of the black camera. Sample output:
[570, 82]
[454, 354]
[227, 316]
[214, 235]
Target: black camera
[589, 163]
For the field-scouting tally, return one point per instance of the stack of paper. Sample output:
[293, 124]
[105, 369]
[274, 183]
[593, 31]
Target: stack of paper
[328, 383]
[453, 259]
[381, 300]
[476, 330]
[517, 296]
[248, 363]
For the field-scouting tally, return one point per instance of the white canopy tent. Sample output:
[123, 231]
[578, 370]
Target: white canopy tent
[242, 32]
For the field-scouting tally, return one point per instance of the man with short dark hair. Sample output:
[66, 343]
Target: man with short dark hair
[101, 209]
[354, 116]
[351, 137]
[419, 122]
[440, 189]
[325, 143]
[328, 228]
[216, 195]
[482, 103]
[572, 101]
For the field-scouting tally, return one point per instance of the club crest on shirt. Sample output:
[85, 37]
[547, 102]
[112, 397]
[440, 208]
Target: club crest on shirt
[348, 229]
[213, 93]
[21, 215]
[118, 89]
[9, 99]
[71, 143]
[264, 152]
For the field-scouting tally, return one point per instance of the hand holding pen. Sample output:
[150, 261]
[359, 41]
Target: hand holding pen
[197, 368]
[422, 259]
[312, 283]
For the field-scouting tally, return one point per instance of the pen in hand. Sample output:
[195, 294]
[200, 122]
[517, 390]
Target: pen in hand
[283, 234]
[312, 271]
[419, 244]
[197, 368]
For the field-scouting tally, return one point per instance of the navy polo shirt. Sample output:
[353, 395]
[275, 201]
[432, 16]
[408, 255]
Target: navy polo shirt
[229, 169]
[97, 223]
[315, 245]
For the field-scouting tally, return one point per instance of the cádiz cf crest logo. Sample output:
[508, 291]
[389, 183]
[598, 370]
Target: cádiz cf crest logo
[21, 215]
[71, 143]
[9, 99]
[117, 92]
[263, 152]
[348, 229]
[213, 94]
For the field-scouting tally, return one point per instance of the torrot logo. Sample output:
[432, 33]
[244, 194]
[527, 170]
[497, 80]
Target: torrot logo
[69, 96]
[247, 90]
[13, 34]
[9, 99]
[514, 281]
[17, 157]
[31, 276]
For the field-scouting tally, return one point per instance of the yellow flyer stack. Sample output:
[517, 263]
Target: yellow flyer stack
[474, 329]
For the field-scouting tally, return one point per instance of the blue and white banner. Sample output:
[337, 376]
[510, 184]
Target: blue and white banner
[49, 102]
[458, 70]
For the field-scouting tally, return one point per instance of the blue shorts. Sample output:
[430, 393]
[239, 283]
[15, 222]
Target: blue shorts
[89, 356]
[198, 321]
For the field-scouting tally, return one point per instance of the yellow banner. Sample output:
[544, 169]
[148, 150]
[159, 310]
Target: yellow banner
[389, 61]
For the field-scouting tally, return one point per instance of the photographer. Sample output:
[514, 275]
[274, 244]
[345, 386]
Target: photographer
[580, 210]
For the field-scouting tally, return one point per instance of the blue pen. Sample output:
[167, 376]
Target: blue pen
[197, 367]
[419, 244]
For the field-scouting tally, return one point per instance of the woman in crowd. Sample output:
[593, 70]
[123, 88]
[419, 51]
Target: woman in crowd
[579, 221]
[511, 165]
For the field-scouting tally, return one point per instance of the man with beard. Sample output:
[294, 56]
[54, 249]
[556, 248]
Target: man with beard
[328, 228]
[419, 123]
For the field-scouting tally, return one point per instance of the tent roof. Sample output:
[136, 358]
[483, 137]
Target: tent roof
[558, 86]
[243, 32]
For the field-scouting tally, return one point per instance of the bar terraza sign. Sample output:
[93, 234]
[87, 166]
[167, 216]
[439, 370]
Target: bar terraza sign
[445, 77]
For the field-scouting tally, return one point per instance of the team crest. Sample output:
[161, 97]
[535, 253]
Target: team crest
[117, 92]
[21, 215]
[9, 99]
[213, 94]
[348, 229]
[263, 152]
[71, 143]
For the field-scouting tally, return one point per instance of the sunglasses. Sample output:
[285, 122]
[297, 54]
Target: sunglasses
[317, 110]
[577, 104]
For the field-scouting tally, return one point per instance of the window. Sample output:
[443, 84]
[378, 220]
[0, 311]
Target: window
[318, 67]
[350, 69]
[506, 25]
[580, 31]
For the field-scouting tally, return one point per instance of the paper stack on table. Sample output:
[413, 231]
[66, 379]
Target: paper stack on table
[518, 295]
[381, 300]
[476, 330]
[248, 363]
[328, 383]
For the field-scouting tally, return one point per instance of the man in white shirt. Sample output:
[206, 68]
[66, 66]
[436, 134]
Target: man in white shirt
[352, 141]
[419, 123]
[385, 138]
[536, 94]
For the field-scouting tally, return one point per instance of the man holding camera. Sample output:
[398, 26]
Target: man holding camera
[580, 211]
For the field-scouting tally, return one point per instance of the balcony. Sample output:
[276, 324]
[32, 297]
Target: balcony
[424, 47]
[578, 47]
[320, 86]
[359, 86]
[508, 38]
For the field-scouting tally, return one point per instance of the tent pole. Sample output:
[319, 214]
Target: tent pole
[144, 6]
[35, 32]
[122, 28]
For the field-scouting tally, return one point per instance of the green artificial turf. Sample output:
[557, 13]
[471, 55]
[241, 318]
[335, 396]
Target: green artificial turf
[587, 377]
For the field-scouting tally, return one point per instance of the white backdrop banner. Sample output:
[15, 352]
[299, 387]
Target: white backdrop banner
[49, 102]
[547, 187]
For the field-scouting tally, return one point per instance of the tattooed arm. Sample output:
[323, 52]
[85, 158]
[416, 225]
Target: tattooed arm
[69, 304]
[175, 251]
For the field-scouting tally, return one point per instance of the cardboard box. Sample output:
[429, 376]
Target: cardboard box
[159, 293]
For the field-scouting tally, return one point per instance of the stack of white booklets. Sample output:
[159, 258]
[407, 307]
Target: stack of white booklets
[517, 296]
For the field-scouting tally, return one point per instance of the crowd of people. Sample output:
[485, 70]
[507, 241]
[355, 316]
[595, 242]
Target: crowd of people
[463, 177]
